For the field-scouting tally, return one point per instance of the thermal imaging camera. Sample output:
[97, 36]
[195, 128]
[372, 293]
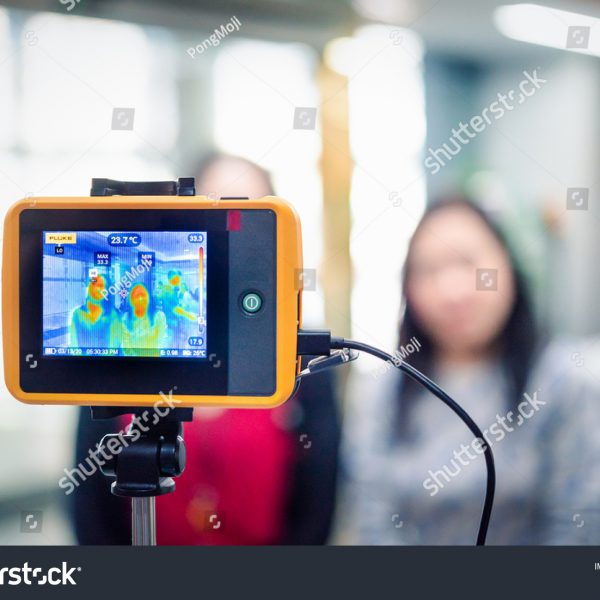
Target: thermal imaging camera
[114, 300]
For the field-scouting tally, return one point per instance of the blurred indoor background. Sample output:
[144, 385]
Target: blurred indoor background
[341, 101]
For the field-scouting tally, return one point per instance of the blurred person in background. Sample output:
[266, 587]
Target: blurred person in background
[251, 470]
[413, 476]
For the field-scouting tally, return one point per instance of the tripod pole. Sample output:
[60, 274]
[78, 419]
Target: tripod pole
[143, 521]
[146, 465]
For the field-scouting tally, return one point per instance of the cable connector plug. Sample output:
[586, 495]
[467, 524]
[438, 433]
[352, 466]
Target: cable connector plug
[339, 357]
[314, 343]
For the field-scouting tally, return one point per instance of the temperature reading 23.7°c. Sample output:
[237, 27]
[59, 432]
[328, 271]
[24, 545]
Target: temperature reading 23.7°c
[124, 239]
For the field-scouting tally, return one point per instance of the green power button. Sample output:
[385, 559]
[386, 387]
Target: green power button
[251, 303]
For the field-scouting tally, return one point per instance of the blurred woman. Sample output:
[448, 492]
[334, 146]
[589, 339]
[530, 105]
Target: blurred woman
[415, 476]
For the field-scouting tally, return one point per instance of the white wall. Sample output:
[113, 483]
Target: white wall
[547, 144]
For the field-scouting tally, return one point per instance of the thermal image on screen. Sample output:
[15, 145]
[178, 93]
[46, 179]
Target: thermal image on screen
[124, 293]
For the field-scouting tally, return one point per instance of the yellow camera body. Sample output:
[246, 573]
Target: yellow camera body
[145, 300]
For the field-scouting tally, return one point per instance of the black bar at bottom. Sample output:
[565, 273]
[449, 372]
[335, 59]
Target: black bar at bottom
[309, 572]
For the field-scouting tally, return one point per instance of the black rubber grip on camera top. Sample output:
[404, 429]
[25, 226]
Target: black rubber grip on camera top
[184, 186]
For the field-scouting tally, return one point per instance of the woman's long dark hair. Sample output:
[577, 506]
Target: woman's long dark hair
[518, 341]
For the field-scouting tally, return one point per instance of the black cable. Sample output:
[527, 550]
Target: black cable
[341, 343]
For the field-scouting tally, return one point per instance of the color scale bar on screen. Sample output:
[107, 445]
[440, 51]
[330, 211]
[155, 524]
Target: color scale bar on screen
[200, 284]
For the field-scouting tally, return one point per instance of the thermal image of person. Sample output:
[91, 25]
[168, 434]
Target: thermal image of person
[95, 324]
[144, 328]
[178, 305]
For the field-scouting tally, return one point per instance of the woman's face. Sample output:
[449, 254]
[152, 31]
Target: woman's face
[457, 304]
[96, 288]
[139, 299]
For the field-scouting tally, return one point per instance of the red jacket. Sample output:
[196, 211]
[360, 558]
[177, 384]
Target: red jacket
[236, 484]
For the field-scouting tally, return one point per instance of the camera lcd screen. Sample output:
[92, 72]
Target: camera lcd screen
[124, 294]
